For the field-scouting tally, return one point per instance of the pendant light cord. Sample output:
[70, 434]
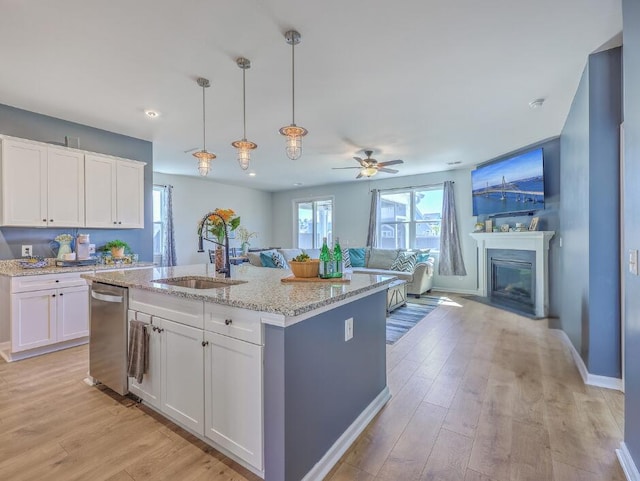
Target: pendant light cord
[293, 83]
[204, 123]
[244, 104]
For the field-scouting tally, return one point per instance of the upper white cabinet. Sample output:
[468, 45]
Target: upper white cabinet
[41, 186]
[114, 192]
[48, 186]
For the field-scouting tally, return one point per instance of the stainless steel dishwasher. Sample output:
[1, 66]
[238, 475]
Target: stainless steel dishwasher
[108, 336]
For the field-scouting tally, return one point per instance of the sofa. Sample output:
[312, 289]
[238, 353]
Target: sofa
[418, 274]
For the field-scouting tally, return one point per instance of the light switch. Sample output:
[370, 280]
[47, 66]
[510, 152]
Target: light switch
[633, 262]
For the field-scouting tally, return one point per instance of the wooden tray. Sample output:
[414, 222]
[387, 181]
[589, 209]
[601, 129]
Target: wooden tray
[342, 280]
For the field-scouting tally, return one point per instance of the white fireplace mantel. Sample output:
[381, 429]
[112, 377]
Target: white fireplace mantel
[537, 241]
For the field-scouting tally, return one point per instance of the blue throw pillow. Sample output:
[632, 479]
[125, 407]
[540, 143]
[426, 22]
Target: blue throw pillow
[356, 254]
[267, 260]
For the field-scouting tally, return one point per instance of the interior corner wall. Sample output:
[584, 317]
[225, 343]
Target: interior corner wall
[631, 239]
[33, 126]
[352, 202]
[193, 197]
[589, 213]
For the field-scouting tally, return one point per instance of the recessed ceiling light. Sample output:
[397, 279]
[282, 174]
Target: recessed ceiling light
[537, 103]
[297, 184]
[252, 174]
[152, 114]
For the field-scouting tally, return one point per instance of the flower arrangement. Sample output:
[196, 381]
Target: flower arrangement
[216, 227]
[63, 238]
[244, 235]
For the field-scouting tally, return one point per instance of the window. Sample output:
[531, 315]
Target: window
[410, 219]
[314, 220]
[158, 228]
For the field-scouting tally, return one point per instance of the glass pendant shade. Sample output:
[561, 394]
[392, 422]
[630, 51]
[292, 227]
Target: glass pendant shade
[244, 146]
[369, 171]
[292, 132]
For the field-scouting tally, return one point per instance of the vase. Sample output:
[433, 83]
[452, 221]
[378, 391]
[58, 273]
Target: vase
[65, 248]
[244, 249]
[219, 258]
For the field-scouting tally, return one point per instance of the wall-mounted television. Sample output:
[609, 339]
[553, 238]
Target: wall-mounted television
[511, 185]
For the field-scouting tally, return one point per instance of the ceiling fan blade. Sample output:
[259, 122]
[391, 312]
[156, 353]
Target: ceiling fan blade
[389, 171]
[359, 175]
[390, 162]
[358, 159]
[338, 168]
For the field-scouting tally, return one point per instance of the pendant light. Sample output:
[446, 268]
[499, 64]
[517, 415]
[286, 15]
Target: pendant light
[204, 157]
[293, 132]
[244, 146]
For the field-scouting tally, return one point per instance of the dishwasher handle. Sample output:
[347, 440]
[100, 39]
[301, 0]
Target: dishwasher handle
[105, 297]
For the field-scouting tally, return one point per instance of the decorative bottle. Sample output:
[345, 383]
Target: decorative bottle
[337, 259]
[325, 260]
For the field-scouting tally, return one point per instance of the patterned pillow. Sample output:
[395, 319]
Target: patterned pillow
[279, 261]
[346, 258]
[405, 262]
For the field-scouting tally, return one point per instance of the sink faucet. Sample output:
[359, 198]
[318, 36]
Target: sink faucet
[202, 237]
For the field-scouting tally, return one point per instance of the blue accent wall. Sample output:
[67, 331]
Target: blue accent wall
[33, 126]
[631, 58]
[549, 217]
[590, 215]
[316, 384]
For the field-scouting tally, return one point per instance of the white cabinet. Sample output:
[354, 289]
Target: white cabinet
[233, 396]
[44, 317]
[182, 368]
[114, 192]
[41, 186]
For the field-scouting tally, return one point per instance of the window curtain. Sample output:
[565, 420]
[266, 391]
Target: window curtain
[372, 235]
[450, 262]
[168, 242]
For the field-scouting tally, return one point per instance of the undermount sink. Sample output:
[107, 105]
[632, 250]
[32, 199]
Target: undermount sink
[197, 282]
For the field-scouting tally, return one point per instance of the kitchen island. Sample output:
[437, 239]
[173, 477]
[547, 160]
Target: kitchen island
[281, 377]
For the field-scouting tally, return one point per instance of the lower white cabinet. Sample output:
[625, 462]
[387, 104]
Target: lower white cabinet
[233, 396]
[44, 317]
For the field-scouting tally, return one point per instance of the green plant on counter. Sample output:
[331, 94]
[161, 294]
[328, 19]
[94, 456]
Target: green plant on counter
[116, 244]
[301, 258]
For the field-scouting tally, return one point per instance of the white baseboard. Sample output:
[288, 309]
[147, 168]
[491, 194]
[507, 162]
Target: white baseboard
[588, 378]
[7, 355]
[453, 290]
[626, 461]
[335, 452]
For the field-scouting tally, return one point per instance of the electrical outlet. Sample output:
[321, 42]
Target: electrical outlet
[348, 329]
[27, 251]
[92, 248]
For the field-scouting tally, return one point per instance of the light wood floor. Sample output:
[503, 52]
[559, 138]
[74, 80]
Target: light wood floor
[478, 395]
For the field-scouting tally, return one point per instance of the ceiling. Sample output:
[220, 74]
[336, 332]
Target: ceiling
[428, 81]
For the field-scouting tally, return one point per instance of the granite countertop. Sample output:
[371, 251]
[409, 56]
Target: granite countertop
[263, 291]
[11, 268]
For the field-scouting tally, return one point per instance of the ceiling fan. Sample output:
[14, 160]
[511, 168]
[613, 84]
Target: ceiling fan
[370, 167]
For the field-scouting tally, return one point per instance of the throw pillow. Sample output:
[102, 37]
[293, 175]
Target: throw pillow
[346, 259]
[382, 258]
[279, 260]
[405, 262]
[356, 256]
[267, 259]
[423, 255]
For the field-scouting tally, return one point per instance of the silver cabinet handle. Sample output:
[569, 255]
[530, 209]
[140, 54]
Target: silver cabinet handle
[105, 297]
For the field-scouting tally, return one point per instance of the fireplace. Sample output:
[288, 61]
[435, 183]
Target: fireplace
[511, 278]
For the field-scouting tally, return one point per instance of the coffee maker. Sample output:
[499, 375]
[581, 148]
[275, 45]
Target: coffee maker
[82, 247]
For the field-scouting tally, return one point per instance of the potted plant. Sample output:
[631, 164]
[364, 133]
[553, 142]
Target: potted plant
[244, 236]
[117, 248]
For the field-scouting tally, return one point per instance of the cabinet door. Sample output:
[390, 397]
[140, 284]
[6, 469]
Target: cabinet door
[72, 313]
[130, 195]
[24, 184]
[100, 188]
[33, 316]
[65, 188]
[149, 388]
[233, 396]
[182, 373]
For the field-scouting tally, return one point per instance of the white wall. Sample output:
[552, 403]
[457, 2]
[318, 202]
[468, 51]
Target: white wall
[352, 203]
[194, 197]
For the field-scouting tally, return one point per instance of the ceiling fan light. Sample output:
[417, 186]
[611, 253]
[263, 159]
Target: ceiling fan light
[369, 171]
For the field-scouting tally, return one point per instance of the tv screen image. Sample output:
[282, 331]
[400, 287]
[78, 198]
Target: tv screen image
[511, 185]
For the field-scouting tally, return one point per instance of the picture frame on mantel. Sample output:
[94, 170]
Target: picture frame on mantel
[534, 223]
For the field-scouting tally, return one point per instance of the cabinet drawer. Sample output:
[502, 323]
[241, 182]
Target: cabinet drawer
[233, 322]
[177, 309]
[46, 281]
